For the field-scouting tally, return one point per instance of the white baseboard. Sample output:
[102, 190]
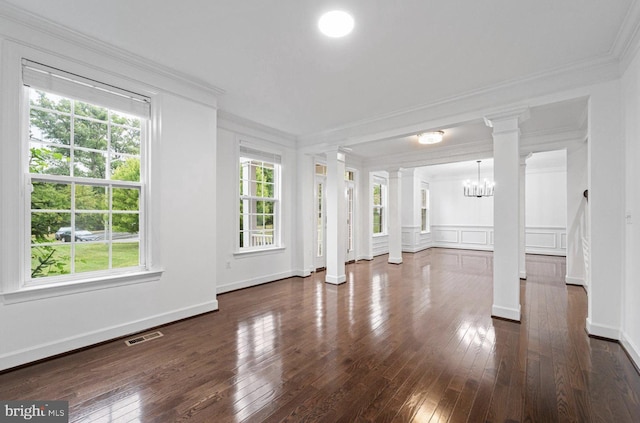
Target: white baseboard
[38, 352]
[368, 258]
[302, 273]
[395, 260]
[523, 274]
[255, 281]
[416, 249]
[602, 331]
[506, 312]
[570, 280]
[631, 348]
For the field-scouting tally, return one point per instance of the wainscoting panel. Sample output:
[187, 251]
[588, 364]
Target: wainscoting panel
[414, 240]
[539, 240]
[380, 244]
[447, 236]
[474, 237]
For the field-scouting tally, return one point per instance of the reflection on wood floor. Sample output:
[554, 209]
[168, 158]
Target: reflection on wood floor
[410, 342]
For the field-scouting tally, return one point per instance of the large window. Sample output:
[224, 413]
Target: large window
[86, 200]
[259, 223]
[424, 208]
[379, 206]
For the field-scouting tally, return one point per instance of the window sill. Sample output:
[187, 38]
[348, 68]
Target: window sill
[249, 253]
[380, 235]
[39, 292]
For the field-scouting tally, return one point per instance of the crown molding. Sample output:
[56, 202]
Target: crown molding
[474, 103]
[239, 124]
[627, 42]
[32, 30]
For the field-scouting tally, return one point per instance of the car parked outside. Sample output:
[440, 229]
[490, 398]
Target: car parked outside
[61, 231]
[80, 235]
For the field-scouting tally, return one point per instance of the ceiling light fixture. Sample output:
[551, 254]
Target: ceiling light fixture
[474, 189]
[336, 24]
[430, 137]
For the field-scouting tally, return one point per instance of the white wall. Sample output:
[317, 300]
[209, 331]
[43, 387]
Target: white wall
[467, 222]
[631, 288]
[183, 203]
[240, 270]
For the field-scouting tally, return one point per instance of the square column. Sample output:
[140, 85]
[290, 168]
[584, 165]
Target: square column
[394, 222]
[506, 213]
[336, 209]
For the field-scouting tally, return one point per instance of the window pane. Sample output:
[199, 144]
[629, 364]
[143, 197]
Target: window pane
[126, 199]
[377, 220]
[321, 169]
[125, 168]
[90, 164]
[91, 110]
[125, 140]
[49, 101]
[125, 254]
[91, 257]
[50, 261]
[120, 118]
[90, 197]
[51, 196]
[377, 194]
[91, 226]
[50, 127]
[125, 226]
[48, 160]
[49, 227]
[424, 219]
[89, 134]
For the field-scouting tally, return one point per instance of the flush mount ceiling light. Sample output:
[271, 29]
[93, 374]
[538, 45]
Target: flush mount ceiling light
[336, 24]
[430, 137]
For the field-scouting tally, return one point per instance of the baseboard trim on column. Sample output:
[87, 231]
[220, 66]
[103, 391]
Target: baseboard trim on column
[335, 280]
[523, 275]
[395, 260]
[571, 280]
[506, 313]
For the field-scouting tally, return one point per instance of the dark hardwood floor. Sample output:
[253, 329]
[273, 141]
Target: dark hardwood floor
[396, 343]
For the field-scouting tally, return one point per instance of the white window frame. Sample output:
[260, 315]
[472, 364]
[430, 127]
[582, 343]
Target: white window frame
[383, 204]
[249, 151]
[15, 283]
[425, 198]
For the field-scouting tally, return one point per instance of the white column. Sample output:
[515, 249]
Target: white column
[506, 213]
[606, 212]
[336, 219]
[410, 212]
[394, 222]
[523, 234]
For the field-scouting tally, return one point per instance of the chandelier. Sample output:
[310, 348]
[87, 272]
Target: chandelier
[475, 189]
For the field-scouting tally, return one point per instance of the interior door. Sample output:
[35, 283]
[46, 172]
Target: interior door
[320, 260]
[350, 190]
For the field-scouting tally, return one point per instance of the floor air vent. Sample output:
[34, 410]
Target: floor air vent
[143, 338]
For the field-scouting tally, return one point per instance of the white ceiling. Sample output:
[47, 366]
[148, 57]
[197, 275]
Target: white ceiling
[279, 71]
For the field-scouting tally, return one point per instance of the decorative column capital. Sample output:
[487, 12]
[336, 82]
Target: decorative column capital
[507, 120]
[524, 158]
